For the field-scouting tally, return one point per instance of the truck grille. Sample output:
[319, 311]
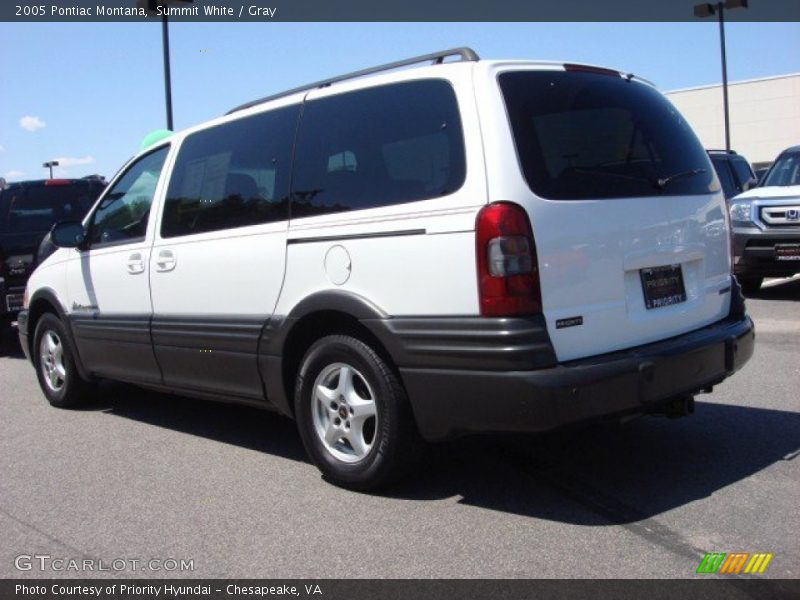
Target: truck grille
[781, 216]
[769, 242]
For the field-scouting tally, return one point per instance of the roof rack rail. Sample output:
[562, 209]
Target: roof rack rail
[437, 58]
[721, 150]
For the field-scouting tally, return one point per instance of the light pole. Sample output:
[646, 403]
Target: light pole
[706, 10]
[167, 75]
[151, 6]
[49, 165]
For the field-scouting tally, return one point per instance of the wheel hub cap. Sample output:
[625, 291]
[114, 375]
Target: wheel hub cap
[51, 361]
[344, 412]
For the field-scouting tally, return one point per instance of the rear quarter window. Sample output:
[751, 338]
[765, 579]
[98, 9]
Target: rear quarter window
[379, 146]
[582, 135]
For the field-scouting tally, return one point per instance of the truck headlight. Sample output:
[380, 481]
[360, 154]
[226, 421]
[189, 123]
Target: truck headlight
[740, 212]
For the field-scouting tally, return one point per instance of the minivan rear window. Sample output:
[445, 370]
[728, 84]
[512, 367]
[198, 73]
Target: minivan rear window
[585, 135]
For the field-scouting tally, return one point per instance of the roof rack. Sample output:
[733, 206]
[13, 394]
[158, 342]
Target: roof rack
[436, 58]
[722, 151]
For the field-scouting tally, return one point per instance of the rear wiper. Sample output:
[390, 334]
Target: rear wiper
[611, 174]
[663, 182]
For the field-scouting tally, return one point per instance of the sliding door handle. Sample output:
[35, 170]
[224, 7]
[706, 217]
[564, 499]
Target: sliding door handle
[165, 261]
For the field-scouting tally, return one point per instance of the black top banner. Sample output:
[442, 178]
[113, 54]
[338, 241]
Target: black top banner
[377, 11]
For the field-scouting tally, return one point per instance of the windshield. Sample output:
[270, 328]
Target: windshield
[785, 171]
[583, 135]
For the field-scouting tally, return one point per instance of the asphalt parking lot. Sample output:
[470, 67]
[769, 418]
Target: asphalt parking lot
[139, 475]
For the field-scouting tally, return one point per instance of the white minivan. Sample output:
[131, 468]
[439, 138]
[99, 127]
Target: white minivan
[398, 256]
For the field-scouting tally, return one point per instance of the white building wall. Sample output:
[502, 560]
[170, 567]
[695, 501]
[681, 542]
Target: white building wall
[764, 115]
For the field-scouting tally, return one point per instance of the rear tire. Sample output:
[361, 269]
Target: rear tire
[353, 415]
[54, 358]
[751, 285]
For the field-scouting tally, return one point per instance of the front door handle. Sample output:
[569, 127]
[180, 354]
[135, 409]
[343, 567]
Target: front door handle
[165, 261]
[135, 263]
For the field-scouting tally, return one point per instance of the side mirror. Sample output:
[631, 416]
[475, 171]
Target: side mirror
[68, 234]
[749, 185]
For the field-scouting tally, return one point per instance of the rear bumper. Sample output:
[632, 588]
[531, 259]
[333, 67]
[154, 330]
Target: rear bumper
[449, 402]
[754, 252]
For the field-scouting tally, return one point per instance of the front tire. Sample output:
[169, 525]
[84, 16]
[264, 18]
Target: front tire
[353, 415]
[54, 359]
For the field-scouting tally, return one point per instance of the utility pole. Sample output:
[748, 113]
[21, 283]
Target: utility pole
[152, 6]
[706, 10]
[167, 76]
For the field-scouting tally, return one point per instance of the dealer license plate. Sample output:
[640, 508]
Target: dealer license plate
[787, 251]
[662, 286]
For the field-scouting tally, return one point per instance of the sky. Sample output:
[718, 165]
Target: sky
[87, 93]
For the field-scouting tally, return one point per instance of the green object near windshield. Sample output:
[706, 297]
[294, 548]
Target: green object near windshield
[153, 137]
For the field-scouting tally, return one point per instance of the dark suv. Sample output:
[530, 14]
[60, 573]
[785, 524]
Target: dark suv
[734, 172]
[28, 209]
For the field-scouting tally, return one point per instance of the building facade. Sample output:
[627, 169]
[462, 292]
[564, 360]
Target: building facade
[764, 115]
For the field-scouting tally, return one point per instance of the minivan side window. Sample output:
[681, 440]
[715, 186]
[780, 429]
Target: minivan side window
[378, 146]
[122, 214]
[232, 175]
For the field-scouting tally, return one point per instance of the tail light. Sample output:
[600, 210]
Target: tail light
[591, 69]
[508, 275]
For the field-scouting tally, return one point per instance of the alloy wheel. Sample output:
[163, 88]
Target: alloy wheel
[51, 361]
[345, 412]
